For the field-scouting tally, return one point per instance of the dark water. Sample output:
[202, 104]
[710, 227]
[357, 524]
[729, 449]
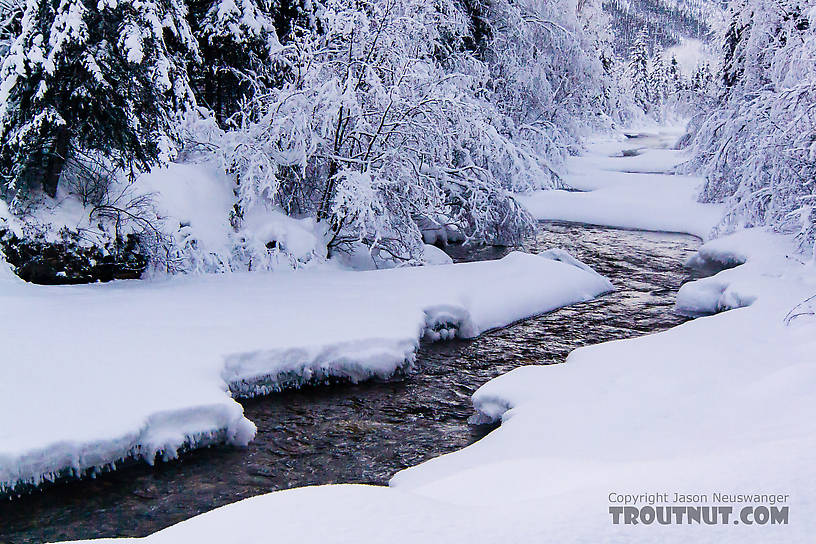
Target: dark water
[367, 432]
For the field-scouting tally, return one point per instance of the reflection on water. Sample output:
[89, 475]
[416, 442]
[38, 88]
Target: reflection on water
[367, 432]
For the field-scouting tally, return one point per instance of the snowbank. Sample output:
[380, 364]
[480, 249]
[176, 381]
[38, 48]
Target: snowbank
[722, 404]
[757, 251]
[635, 191]
[99, 373]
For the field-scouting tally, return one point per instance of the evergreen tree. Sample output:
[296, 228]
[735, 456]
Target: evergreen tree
[658, 78]
[236, 39]
[638, 70]
[703, 79]
[290, 15]
[92, 76]
[734, 43]
[675, 76]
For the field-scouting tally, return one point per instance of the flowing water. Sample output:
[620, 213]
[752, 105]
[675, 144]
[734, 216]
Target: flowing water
[367, 432]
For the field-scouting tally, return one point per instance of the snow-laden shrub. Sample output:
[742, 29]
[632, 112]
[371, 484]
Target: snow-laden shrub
[312, 128]
[545, 63]
[194, 209]
[373, 132]
[757, 147]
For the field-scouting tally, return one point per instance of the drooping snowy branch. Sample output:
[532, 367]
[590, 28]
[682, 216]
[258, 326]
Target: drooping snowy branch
[756, 146]
[387, 123]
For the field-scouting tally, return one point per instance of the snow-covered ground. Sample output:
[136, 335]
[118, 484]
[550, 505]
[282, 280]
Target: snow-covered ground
[722, 404]
[628, 183]
[93, 374]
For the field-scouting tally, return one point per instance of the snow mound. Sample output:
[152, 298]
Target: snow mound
[739, 256]
[633, 191]
[565, 257]
[156, 363]
[264, 372]
[445, 322]
[197, 211]
[434, 255]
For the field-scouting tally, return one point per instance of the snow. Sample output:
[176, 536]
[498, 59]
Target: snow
[92, 374]
[434, 255]
[722, 404]
[691, 54]
[193, 196]
[195, 202]
[634, 192]
[132, 43]
[190, 206]
[753, 249]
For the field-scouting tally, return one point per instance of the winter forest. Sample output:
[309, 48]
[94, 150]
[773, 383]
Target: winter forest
[374, 125]
[452, 271]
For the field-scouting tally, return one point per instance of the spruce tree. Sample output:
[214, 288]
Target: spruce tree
[658, 78]
[291, 16]
[702, 79]
[733, 54]
[674, 75]
[92, 76]
[638, 71]
[236, 39]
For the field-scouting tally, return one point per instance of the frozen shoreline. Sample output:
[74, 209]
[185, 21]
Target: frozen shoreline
[720, 404]
[110, 358]
[633, 192]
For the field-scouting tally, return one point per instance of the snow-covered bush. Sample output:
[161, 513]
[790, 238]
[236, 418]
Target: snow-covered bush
[372, 125]
[545, 62]
[388, 122]
[757, 146]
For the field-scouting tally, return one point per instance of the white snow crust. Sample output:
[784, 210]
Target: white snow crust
[632, 192]
[719, 404]
[722, 403]
[92, 375]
